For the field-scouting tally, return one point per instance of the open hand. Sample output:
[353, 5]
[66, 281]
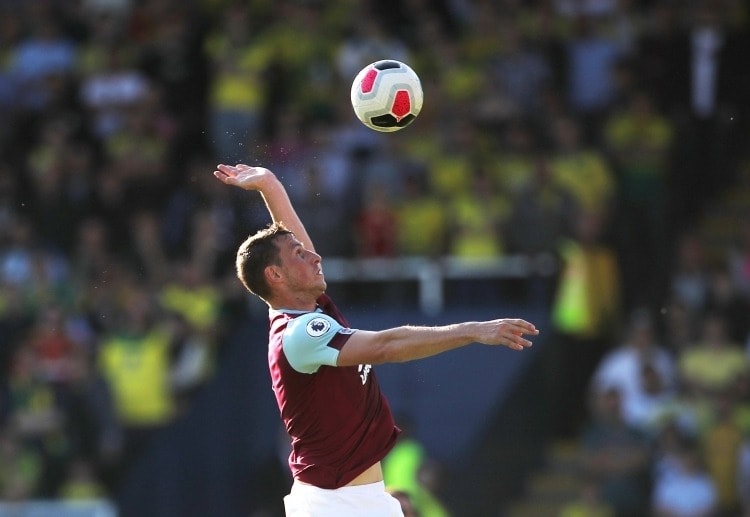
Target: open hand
[243, 176]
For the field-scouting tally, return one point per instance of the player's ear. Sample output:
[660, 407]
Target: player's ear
[273, 274]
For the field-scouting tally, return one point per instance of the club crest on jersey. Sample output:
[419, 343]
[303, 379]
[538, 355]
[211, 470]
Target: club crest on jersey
[316, 327]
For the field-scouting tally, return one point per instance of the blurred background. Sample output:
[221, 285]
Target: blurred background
[584, 164]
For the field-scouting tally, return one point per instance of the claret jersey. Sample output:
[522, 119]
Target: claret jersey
[339, 421]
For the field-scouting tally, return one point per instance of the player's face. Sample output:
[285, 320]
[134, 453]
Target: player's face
[302, 268]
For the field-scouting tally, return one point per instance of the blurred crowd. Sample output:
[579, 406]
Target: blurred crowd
[598, 131]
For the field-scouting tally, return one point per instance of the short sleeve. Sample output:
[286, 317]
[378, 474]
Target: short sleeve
[306, 341]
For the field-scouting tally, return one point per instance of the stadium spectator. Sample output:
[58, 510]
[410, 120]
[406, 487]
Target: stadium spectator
[420, 220]
[11, 32]
[237, 62]
[639, 141]
[376, 224]
[617, 455]
[55, 207]
[711, 365]
[520, 72]
[585, 313]
[642, 370]
[134, 361]
[171, 53]
[591, 56]
[688, 490]
[42, 57]
[40, 274]
[589, 502]
[542, 213]
[108, 89]
[139, 154]
[477, 219]
[324, 206]
[722, 445]
[707, 96]
[581, 168]
[689, 272]
[196, 305]
[183, 236]
[54, 350]
[35, 410]
[366, 43]
[21, 467]
[450, 165]
[726, 298]
[512, 167]
[81, 483]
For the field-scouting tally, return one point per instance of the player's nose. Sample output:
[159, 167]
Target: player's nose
[316, 259]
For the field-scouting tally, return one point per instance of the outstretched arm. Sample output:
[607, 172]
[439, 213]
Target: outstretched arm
[274, 195]
[408, 343]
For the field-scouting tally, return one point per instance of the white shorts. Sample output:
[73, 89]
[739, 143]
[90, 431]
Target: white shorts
[369, 500]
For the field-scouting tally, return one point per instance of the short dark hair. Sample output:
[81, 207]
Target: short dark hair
[255, 254]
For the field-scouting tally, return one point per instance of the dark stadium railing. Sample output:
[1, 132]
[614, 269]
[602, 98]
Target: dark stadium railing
[431, 273]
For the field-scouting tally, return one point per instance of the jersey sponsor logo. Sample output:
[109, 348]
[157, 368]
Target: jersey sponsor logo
[364, 372]
[316, 327]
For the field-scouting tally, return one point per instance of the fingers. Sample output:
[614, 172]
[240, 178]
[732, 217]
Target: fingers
[224, 171]
[229, 174]
[231, 168]
[517, 329]
[516, 342]
[522, 326]
[224, 177]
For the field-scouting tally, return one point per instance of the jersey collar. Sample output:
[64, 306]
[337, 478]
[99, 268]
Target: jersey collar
[273, 312]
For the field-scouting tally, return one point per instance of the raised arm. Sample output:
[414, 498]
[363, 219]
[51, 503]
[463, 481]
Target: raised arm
[408, 343]
[274, 195]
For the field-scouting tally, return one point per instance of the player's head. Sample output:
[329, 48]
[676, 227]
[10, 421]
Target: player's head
[255, 254]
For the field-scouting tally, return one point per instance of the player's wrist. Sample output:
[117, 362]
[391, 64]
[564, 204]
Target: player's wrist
[267, 182]
[465, 332]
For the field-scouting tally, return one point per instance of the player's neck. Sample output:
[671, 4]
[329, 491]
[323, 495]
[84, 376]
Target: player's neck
[294, 302]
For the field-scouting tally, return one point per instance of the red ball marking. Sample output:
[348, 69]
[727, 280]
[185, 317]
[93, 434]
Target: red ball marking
[368, 81]
[401, 104]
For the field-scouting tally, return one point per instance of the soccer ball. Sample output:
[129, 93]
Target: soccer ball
[387, 95]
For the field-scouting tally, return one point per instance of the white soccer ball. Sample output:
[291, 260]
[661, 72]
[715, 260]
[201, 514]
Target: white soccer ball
[387, 95]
